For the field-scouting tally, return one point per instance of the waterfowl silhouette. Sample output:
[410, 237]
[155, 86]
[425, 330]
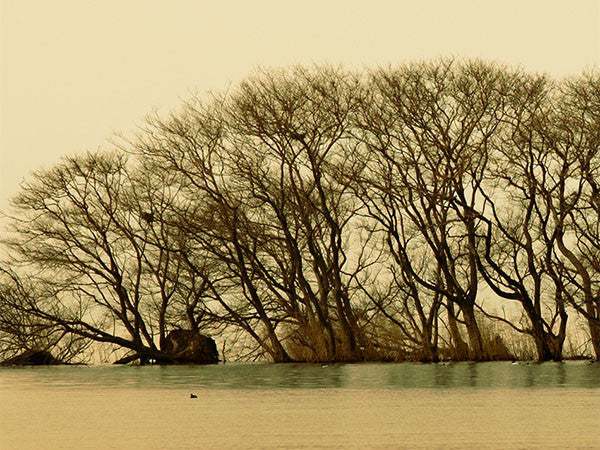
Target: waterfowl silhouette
[193, 396]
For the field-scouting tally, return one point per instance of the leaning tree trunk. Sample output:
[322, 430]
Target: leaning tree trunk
[477, 352]
[593, 311]
[461, 349]
[594, 325]
[429, 351]
[548, 346]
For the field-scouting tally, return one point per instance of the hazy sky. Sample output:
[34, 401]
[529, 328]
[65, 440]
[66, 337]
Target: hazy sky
[74, 72]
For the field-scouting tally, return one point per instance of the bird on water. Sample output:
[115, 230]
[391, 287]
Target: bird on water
[193, 396]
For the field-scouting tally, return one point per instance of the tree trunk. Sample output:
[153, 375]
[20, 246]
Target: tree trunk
[594, 332]
[460, 350]
[548, 346]
[429, 350]
[593, 312]
[277, 351]
[477, 352]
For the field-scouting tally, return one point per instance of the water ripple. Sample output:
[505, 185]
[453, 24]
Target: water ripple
[308, 376]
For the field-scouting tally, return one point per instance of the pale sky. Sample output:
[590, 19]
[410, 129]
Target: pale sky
[75, 72]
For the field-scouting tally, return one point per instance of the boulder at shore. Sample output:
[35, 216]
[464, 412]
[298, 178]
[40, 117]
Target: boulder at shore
[191, 347]
[32, 358]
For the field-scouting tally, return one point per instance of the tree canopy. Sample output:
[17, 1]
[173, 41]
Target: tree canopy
[320, 214]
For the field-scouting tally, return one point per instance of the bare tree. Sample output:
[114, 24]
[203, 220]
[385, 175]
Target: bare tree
[23, 332]
[260, 160]
[291, 131]
[427, 126]
[82, 231]
[573, 140]
[308, 210]
[213, 216]
[518, 258]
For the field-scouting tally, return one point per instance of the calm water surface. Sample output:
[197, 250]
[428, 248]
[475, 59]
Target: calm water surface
[463, 405]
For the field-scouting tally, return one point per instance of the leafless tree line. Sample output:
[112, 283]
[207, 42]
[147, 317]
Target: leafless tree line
[326, 215]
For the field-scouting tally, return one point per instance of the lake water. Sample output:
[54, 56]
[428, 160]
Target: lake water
[462, 405]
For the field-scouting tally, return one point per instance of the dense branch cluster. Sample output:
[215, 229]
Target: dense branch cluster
[316, 214]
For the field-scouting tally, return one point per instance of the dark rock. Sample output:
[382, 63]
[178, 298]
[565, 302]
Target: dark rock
[191, 347]
[32, 358]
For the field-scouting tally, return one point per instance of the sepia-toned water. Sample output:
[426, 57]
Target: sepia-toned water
[462, 405]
